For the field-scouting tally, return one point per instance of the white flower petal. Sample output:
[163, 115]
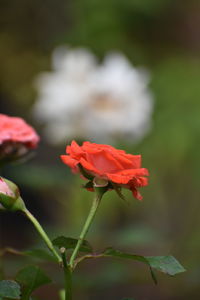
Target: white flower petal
[99, 102]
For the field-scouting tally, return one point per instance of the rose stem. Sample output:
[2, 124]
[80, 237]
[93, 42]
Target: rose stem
[42, 233]
[67, 276]
[95, 205]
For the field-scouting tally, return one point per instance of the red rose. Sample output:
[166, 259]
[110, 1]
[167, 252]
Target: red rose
[16, 137]
[106, 162]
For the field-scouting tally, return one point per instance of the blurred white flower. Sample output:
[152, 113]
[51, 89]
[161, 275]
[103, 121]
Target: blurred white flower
[86, 100]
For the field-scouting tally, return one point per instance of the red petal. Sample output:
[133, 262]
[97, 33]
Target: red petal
[120, 179]
[104, 162]
[72, 163]
[136, 194]
[124, 176]
[89, 167]
[123, 160]
[140, 181]
[75, 150]
[134, 172]
[135, 159]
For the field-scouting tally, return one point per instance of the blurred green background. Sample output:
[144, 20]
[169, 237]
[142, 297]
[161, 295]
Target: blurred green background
[163, 36]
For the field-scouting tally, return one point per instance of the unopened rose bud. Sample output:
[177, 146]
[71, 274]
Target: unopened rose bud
[9, 195]
[5, 189]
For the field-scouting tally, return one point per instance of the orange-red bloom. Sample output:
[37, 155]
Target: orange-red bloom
[106, 162]
[16, 137]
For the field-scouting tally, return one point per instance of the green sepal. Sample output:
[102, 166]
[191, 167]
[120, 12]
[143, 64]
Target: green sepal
[7, 201]
[117, 189]
[88, 185]
[85, 173]
[11, 203]
[100, 191]
[18, 205]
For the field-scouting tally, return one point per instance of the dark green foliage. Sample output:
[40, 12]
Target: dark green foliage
[30, 278]
[40, 254]
[166, 264]
[70, 243]
[9, 289]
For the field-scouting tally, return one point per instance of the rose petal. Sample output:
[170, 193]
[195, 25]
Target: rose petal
[104, 162]
[89, 167]
[140, 181]
[135, 160]
[72, 163]
[74, 150]
[128, 162]
[124, 176]
[118, 178]
[15, 129]
[136, 194]
[134, 172]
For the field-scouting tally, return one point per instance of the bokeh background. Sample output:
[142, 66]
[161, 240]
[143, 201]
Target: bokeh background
[162, 38]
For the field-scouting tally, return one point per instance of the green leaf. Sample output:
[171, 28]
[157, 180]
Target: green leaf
[9, 289]
[41, 254]
[70, 243]
[117, 253]
[165, 264]
[31, 278]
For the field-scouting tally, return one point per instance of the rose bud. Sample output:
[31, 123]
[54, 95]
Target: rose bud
[17, 138]
[9, 195]
[105, 166]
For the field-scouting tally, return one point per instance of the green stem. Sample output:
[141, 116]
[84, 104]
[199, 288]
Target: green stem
[85, 229]
[67, 276]
[42, 233]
